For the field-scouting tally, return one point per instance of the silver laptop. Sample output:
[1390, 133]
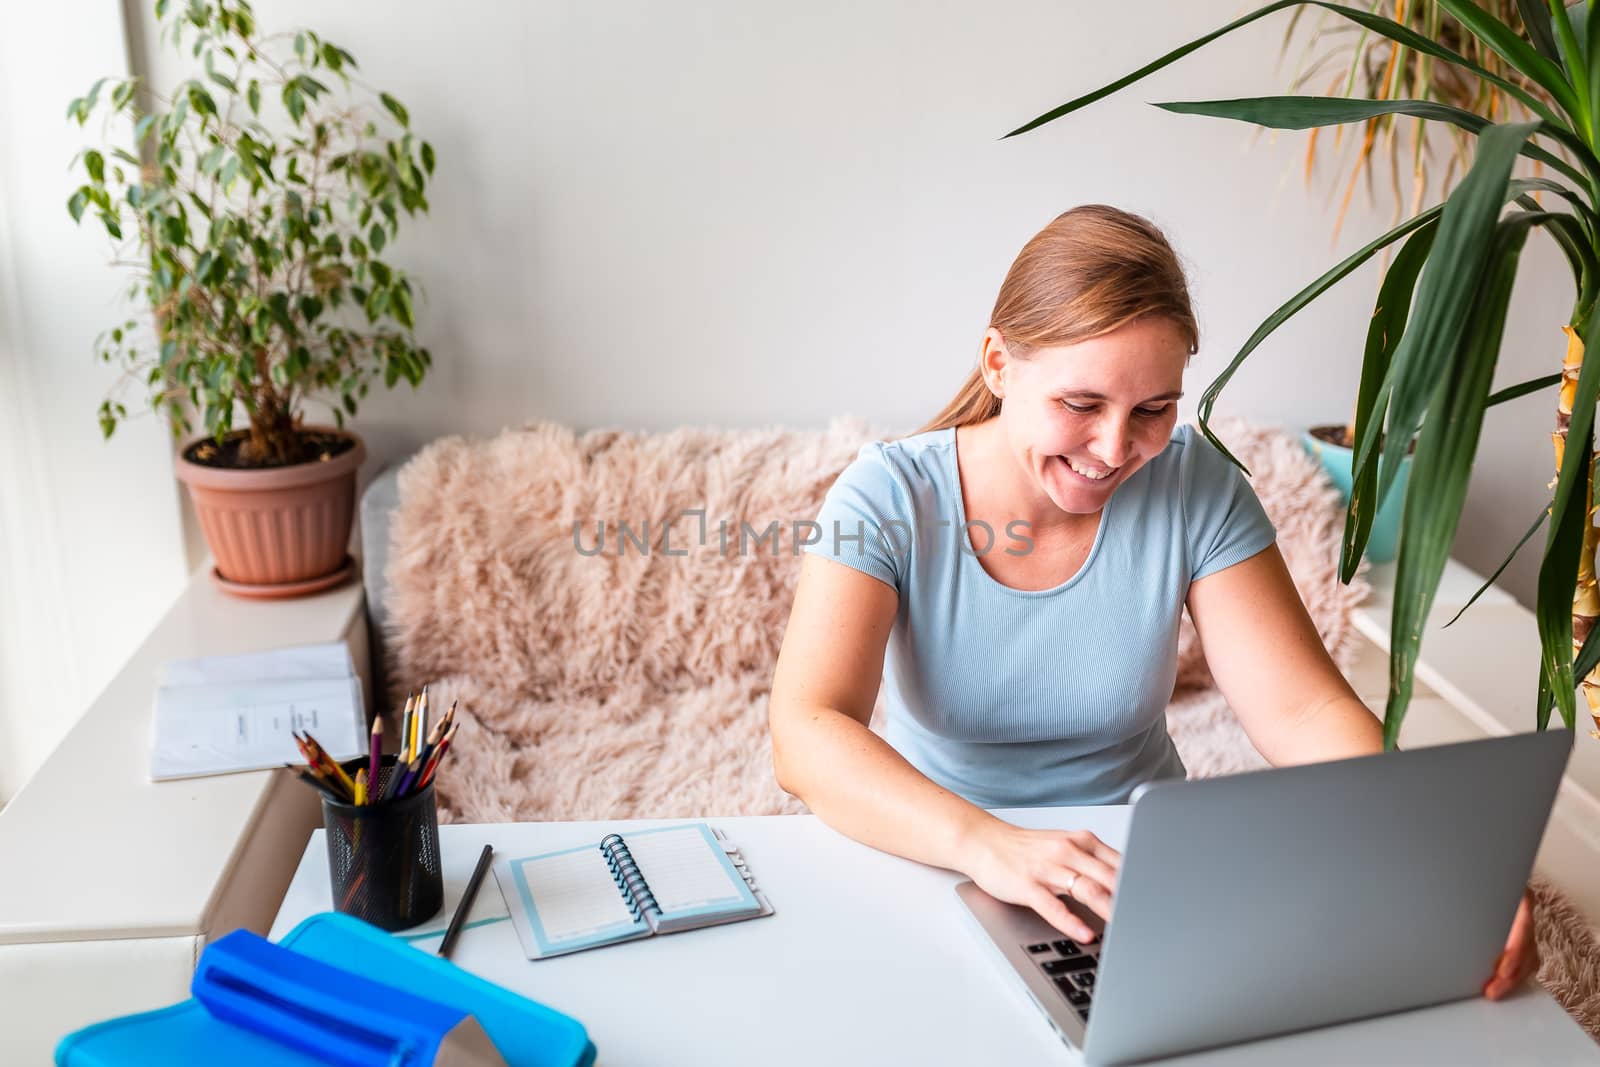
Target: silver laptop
[1285, 899]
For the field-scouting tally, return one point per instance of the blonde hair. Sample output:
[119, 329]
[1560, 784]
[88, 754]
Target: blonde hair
[1091, 270]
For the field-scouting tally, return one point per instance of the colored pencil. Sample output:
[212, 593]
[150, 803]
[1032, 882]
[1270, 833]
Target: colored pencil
[316, 783]
[432, 766]
[375, 753]
[316, 766]
[332, 765]
[419, 726]
[361, 787]
[405, 725]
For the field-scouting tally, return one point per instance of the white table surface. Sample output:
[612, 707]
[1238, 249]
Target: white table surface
[870, 960]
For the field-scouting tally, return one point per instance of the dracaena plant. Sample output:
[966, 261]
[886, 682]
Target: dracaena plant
[252, 213]
[1434, 337]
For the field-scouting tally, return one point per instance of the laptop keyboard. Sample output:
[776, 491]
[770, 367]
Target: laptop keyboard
[1071, 967]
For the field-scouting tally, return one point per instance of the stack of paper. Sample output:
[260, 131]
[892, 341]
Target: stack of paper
[239, 713]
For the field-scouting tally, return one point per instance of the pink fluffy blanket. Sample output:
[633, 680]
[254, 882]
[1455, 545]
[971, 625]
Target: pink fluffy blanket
[629, 677]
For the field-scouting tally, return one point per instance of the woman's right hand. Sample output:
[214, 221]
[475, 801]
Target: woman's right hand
[1030, 867]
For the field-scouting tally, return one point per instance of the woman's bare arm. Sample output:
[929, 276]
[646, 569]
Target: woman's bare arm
[827, 679]
[823, 691]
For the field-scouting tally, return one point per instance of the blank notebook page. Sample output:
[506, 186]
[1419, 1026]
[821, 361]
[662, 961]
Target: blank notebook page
[574, 894]
[686, 871]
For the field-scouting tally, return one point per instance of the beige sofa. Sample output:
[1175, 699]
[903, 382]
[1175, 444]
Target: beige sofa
[632, 681]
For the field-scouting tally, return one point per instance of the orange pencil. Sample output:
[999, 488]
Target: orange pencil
[432, 765]
[331, 764]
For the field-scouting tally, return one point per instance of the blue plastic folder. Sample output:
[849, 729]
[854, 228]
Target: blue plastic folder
[335, 990]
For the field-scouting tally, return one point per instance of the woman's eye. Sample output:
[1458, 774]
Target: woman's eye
[1149, 413]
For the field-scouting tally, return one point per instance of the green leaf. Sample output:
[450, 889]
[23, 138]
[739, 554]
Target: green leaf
[1305, 296]
[252, 96]
[1532, 385]
[201, 100]
[1443, 461]
[1445, 294]
[1387, 27]
[1522, 56]
[375, 238]
[77, 202]
[1305, 112]
[400, 307]
[427, 158]
[1536, 18]
[1387, 327]
[395, 109]
[1544, 513]
[294, 102]
[95, 164]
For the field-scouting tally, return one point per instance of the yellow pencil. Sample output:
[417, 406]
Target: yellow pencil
[419, 724]
[405, 724]
[361, 787]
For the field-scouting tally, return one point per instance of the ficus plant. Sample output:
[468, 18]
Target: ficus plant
[1434, 336]
[252, 212]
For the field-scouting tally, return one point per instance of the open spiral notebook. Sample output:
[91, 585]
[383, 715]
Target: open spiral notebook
[623, 887]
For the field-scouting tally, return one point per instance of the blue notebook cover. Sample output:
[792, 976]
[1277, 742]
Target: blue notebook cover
[526, 1033]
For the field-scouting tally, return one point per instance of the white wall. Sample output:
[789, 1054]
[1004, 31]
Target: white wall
[738, 213]
[90, 548]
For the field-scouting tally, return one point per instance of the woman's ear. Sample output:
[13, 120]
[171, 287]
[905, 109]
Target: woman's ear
[993, 361]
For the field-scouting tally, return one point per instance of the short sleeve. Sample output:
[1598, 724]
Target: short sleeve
[1223, 519]
[863, 522]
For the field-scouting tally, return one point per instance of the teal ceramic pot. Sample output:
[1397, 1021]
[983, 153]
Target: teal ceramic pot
[1384, 542]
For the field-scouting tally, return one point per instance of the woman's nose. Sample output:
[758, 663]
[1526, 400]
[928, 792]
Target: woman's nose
[1111, 444]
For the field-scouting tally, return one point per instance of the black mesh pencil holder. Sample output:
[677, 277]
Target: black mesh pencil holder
[383, 859]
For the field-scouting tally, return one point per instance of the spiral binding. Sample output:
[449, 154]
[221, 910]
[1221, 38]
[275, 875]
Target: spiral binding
[625, 872]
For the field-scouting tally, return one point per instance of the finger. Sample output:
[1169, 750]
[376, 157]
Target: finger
[1094, 896]
[1521, 944]
[1100, 850]
[1058, 915]
[1074, 858]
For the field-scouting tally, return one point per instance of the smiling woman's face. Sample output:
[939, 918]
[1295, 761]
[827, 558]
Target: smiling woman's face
[1080, 419]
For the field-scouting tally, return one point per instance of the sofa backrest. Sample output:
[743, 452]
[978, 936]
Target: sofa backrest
[486, 577]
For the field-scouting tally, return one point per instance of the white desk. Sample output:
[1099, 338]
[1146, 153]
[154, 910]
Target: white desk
[869, 960]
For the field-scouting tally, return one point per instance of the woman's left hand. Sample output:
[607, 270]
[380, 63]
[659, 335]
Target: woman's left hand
[1520, 960]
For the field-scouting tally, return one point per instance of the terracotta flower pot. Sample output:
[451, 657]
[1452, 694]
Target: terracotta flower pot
[277, 531]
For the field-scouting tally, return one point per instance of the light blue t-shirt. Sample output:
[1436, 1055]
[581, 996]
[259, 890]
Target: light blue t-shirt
[1021, 698]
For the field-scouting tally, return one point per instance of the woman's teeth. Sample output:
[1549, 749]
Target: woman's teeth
[1092, 475]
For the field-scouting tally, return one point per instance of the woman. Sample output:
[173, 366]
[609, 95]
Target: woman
[1014, 573]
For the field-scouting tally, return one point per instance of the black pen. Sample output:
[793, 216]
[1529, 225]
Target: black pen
[465, 905]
